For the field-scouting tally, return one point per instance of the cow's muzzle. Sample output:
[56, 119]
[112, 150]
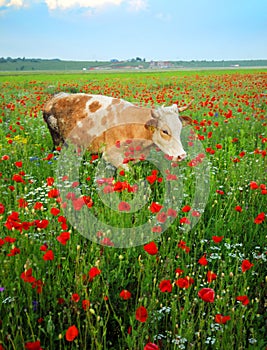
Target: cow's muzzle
[181, 157]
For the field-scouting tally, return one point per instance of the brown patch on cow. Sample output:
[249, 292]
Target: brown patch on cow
[94, 106]
[68, 110]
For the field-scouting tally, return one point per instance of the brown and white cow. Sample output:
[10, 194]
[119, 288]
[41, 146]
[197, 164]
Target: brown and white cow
[101, 122]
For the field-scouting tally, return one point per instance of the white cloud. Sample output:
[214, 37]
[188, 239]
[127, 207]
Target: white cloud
[138, 5]
[133, 5]
[15, 3]
[67, 4]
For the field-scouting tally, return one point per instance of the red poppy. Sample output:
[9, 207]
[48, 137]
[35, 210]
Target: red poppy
[221, 319]
[217, 239]
[50, 181]
[211, 276]
[63, 238]
[243, 299]
[27, 276]
[107, 241]
[203, 260]
[49, 255]
[33, 345]
[184, 220]
[38, 206]
[162, 217]
[246, 265]
[141, 314]
[238, 208]
[18, 164]
[179, 271]
[41, 223]
[253, 185]
[55, 211]
[2, 208]
[151, 346]
[171, 212]
[151, 248]
[75, 297]
[260, 218]
[124, 206]
[18, 178]
[186, 209]
[185, 282]
[165, 286]
[155, 208]
[72, 333]
[14, 252]
[53, 193]
[85, 304]
[207, 295]
[125, 294]
[94, 271]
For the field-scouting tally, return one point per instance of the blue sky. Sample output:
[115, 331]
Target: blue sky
[123, 29]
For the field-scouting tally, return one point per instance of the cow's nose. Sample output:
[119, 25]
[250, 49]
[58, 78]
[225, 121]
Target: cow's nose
[181, 157]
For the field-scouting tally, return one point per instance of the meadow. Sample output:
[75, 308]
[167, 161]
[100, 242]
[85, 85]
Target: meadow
[199, 283]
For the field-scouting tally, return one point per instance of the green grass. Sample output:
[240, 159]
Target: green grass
[230, 118]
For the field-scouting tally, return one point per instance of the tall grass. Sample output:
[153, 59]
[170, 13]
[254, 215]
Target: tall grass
[60, 290]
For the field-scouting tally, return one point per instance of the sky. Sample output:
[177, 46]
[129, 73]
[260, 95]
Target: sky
[124, 29]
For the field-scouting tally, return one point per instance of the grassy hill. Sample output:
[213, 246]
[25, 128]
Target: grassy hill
[38, 64]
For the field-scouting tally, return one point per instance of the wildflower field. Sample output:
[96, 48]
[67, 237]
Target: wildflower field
[200, 282]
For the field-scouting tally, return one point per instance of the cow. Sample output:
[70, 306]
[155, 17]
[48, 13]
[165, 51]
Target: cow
[104, 123]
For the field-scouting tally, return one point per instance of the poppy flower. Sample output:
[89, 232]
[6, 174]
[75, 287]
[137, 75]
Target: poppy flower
[53, 193]
[211, 276]
[162, 217]
[165, 286]
[185, 282]
[94, 271]
[55, 211]
[151, 248]
[75, 297]
[124, 206]
[27, 277]
[151, 346]
[238, 208]
[125, 294]
[217, 239]
[172, 213]
[155, 208]
[260, 218]
[243, 299]
[85, 304]
[203, 260]
[50, 181]
[14, 252]
[207, 295]
[246, 265]
[18, 178]
[221, 319]
[38, 206]
[33, 345]
[49, 255]
[141, 314]
[253, 185]
[41, 223]
[72, 333]
[63, 238]
[186, 209]
[2, 208]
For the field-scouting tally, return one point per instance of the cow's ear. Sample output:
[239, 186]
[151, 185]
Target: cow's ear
[186, 120]
[151, 124]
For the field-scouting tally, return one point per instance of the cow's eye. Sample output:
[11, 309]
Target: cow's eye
[165, 132]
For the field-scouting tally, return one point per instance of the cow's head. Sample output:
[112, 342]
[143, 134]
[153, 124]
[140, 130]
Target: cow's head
[166, 125]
